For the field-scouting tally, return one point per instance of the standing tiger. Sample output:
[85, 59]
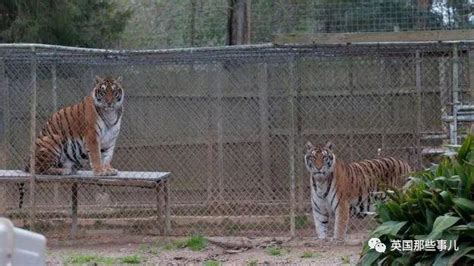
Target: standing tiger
[340, 188]
[86, 131]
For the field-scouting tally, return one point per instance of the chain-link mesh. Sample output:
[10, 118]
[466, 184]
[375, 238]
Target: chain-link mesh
[230, 125]
[194, 23]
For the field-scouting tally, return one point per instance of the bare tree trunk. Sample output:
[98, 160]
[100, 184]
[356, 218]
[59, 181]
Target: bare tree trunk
[238, 24]
[424, 6]
[193, 24]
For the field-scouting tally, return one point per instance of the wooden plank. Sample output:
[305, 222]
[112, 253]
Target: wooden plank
[364, 37]
[89, 176]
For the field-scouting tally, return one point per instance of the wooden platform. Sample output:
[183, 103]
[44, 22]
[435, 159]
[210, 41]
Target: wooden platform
[374, 37]
[152, 180]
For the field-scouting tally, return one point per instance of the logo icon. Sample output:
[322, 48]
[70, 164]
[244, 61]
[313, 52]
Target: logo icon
[375, 243]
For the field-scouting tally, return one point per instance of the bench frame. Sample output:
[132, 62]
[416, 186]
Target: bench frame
[152, 180]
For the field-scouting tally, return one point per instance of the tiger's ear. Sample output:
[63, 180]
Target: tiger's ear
[330, 145]
[119, 79]
[98, 80]
[309, 146]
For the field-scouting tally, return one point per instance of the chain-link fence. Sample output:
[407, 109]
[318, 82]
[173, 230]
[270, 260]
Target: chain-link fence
[230, 125]
[164, 24]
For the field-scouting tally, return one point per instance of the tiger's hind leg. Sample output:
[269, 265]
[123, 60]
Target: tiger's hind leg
[341, 220]
[67, 168]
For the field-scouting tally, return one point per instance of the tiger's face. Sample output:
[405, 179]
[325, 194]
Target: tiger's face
[108, 93]
[320, 161]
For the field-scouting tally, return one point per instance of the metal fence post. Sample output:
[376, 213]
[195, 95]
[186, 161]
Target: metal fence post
[418, 108]
[32, 139]
[454, 126]
[291, 142]
[4, 115]
[54, 99]
[444, 91]
[3, 132]
[264, 124]
[220, 133]
[353, 115]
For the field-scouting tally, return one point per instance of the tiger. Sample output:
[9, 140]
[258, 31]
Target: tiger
[81, 133]
[339, 188]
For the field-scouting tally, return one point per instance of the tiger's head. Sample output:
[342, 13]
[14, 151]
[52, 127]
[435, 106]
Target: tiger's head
[320, 161]
[108, 93]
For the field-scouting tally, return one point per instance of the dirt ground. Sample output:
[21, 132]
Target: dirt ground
[218, 251]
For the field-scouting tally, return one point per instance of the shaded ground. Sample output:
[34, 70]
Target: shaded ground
[215, 251]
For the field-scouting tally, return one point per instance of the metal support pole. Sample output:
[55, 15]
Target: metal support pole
[264, 127]
[32, 139]
[418, 108]
[291, 143]
[454, 126]
[54, 99]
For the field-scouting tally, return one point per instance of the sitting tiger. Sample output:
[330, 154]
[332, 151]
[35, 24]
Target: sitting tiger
[338, 188]
[86, 131]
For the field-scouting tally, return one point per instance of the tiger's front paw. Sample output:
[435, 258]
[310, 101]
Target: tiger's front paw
[111, 171]
[101, 172]
[337, 240]
[321, 237]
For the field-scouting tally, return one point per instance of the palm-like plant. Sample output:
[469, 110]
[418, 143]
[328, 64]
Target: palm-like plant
[437, 204]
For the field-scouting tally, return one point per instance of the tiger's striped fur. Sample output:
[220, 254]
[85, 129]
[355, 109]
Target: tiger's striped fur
[81, 133]
[340, 188]
[86, 131]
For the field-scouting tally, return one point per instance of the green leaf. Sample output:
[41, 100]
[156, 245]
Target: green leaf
[388, 228]
[383, 213]
[464, 204]
[446, 196]
[467, 229]
[440, 224]
[441, 260]
[463, 250]
[403, 260]
[464, 150]
[370, 257]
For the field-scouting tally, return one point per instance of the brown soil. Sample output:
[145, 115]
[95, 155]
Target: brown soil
[224, 250]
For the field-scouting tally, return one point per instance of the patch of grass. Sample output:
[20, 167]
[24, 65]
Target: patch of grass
[196, 243]
[345, 260]
[230, 226]
[275, 251]
[301, 221]
[98, 223]
[148, 248]
[101, 260]
[132, 259]
[211, 263]
[89, 259]
[307, 255]
[169, 246]
[252, 263]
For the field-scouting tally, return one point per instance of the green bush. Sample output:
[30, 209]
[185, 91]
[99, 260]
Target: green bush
[437, 204]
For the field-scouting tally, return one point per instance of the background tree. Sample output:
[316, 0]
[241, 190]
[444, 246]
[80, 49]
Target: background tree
[86, 23]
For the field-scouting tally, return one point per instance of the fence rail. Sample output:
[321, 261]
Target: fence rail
[230, 125]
